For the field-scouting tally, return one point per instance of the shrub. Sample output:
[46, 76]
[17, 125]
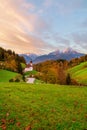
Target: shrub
[11, 80]
[74, 82]
[17, 80]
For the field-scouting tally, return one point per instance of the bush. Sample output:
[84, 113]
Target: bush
[74, 82]
[17, 80]
[11, 80]
[23, 78]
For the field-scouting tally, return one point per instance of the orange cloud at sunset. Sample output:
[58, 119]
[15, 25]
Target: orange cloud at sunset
[17, 27]
[31, 26]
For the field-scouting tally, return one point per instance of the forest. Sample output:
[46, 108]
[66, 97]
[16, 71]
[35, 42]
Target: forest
[52, 71]
[11, 61]
[56, 72]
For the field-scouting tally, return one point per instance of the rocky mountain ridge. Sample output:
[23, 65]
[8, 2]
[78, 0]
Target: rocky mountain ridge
[66, 54]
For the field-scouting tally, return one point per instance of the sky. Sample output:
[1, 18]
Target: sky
[43, 26]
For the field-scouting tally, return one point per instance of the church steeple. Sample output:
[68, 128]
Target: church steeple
[29, 67]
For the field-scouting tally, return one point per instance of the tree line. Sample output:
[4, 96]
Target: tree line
[9, 60]
[55, 71]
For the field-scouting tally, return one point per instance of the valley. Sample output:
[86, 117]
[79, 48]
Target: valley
[43, 64]
[52, 96]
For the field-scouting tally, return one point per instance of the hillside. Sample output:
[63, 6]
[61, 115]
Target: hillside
[56, 71]
[6, 75]
[11, 61]
[79, 73]
[42, 107]
[30, 73]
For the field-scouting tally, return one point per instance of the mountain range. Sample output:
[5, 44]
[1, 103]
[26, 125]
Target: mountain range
[66, 54]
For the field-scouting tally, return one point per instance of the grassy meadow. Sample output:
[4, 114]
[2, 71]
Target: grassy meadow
[5, 75]
[79, 73]
[29, 73]
[42, 107]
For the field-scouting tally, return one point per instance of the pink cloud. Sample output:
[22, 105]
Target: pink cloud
[18, 27]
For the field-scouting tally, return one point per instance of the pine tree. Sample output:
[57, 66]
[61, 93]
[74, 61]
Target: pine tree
[68, 79]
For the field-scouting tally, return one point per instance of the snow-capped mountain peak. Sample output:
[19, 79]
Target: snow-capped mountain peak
[69, 50]
[57, 52]
[66, 54]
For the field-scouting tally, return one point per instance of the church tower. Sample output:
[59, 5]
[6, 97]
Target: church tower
[29, 67]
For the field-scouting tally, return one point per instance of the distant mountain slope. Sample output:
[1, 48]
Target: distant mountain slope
[79, 73]
[29, 57]
[67, 54]
[43, 58]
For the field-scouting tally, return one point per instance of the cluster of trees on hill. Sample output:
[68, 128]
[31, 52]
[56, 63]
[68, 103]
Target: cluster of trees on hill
[56, 71]
[77, 61]
[52, 71]
[9, 60]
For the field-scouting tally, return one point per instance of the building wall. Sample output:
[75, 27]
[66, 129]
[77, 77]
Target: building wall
[28, 69]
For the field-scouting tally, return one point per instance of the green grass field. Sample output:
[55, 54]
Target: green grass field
[5, 75]
[42, 107]
[79, 73]
[33, 72]
[23, 65]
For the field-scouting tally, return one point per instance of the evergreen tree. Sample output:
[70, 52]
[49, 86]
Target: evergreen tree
[61, 73]
[68, 79]
[19, 67]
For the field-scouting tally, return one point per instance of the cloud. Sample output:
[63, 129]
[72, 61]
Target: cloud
[22, 42]
[18, 25]
[58, 39]
[80, 40]
[15, 15]
[61, 39]
[27, 27]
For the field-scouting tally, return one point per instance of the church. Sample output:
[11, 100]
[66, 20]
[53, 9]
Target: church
[29, 67]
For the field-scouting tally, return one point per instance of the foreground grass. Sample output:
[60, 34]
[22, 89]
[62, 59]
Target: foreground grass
[42, 107]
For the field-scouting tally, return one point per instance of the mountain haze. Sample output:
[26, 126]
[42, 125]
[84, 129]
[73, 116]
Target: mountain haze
[29, 56]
